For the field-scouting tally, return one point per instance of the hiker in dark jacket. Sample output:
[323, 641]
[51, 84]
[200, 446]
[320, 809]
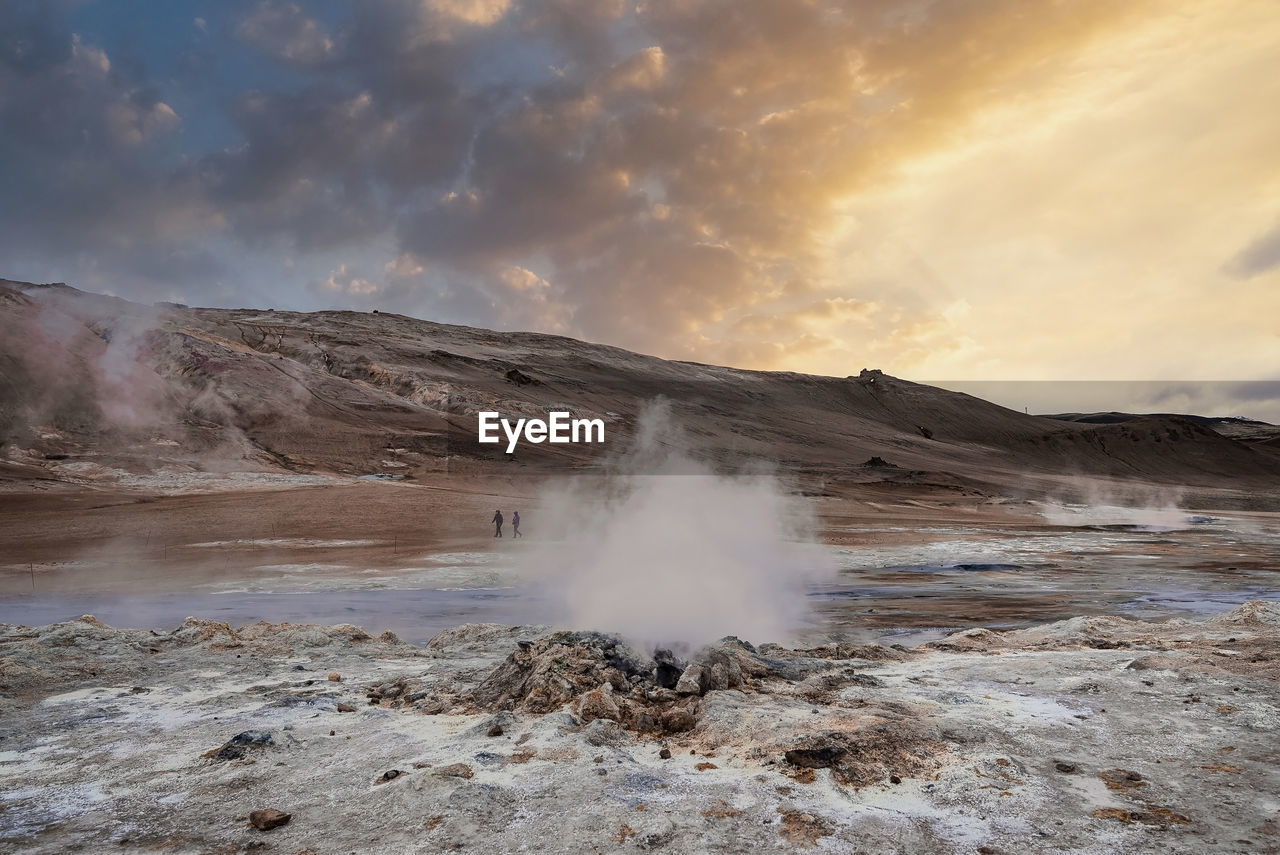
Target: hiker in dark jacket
[497, 523]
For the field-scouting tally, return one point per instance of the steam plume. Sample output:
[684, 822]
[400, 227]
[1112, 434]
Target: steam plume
[665, 551]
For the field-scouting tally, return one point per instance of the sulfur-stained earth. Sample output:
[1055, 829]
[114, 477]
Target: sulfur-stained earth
[1097, 734]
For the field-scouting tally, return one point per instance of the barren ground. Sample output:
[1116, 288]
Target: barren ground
[1040, 635]
[416, 558]
[1090, 735]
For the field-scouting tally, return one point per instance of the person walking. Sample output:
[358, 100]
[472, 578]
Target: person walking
[515, 525]
[497, 523]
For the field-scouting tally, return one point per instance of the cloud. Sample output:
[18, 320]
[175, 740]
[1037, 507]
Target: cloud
[283, 31]
[95, 189]
[644, 71]
[1261, 255]
[404, 266]
[937, 188]
[480, 13]
[522, 279]
[133, 121]
[347, 283]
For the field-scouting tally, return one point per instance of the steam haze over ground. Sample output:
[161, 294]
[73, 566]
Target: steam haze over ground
[664, 551]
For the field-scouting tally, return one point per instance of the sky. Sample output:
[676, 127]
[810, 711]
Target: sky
[995, 190]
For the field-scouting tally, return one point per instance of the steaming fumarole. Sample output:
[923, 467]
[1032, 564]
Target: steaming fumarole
[559, 428]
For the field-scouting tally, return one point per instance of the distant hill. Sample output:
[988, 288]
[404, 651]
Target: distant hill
[88, 380]
[1248, 430]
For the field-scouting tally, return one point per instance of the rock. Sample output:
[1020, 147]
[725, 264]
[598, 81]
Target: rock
[604, 732]
[666, 671]
[665, 754]
[342, 707]
[269, 818]
[241, 744]
[598, 703]
[1066, 768]
[518, 377]
[556, 669]
[815, 758]
[793, 668]
[694, 681]
[604, 678]
[389, 775]
[456, 770]
[1122, 779]
[616, 678]
[502, 721]
[677, 720]
[335, 677]
[722, 666]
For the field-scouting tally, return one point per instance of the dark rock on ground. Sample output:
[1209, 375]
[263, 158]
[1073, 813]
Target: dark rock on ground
[606, 678]
[265, 820]
[815, 758]
[240, 745]
[666, 672]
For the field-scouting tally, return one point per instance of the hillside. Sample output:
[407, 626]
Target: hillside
[91, 381]
[1245, 430]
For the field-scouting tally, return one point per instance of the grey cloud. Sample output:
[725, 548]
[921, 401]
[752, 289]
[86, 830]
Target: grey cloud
[33, 38]
[661, 164]
[80, 165]
[285, 32]
[305, 172]
[1262, 254]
